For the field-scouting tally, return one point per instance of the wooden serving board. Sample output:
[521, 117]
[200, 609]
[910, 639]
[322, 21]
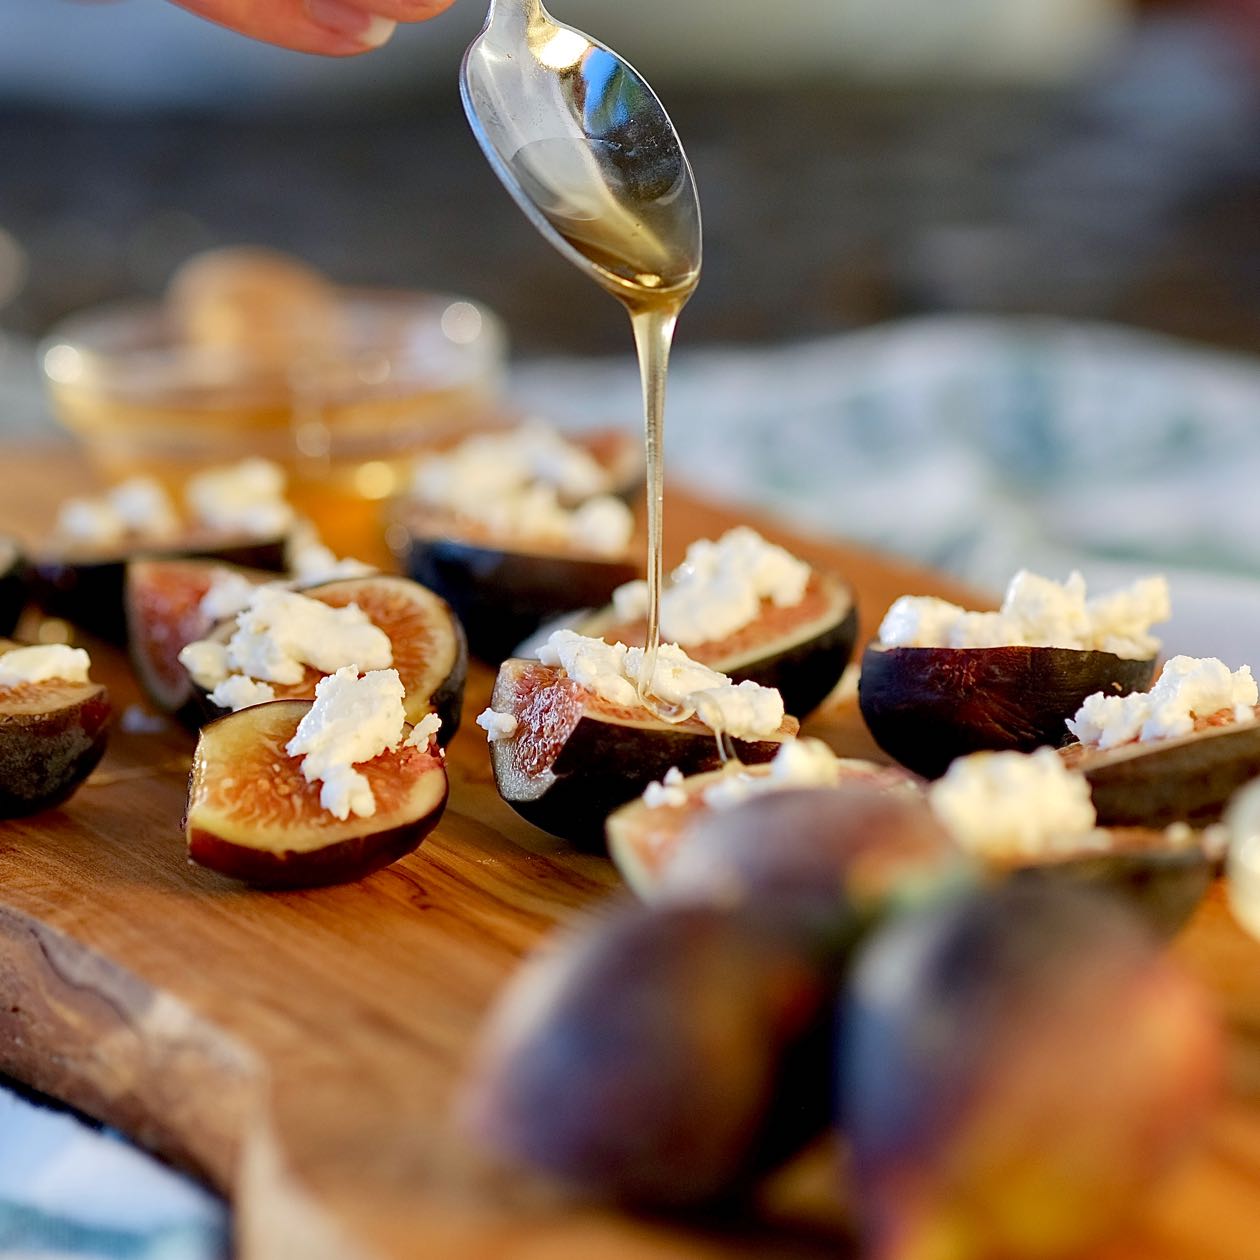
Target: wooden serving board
[302, 1051]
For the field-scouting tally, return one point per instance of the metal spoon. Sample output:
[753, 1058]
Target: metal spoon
[586, 149]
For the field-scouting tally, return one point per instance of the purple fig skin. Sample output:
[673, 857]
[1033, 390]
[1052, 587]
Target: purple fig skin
[14, 588]
[502, 596]
[816, 849]
[604, 756]
[1015, 1068]
[89, 591]
[925, 706]
[46, 755]
[1186, 779]
[661, 1058]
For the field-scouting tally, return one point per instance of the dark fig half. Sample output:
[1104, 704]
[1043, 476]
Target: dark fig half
[429, 649]
[87, 587]
[576, 757]
[660, 1058]
[52, 735]
[503, 592]
[644, 841]
[1162, 876]
[800, 651]
[925, 706]
[1189, 778]
[253, 817]
[13, 584]
[162, 601]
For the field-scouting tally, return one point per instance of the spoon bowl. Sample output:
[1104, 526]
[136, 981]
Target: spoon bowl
[586, 149]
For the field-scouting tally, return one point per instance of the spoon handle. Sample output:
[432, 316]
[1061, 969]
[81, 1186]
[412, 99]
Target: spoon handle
[513, 15]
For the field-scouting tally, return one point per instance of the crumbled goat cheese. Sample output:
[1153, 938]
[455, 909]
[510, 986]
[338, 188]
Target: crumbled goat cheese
[352, 720]
[668, 793]
[1037, 612]
[719, 587]
[519, 484]
[1188, 687]
[206, 662]
[246, 497]
[309, 561]
[424, 732]
[138, 507]
[282, 632]
[238, 692]
[1010, 805]
[800, 763]
[497, 725]
[610, 670]
[229, 593]
[491, 465]
[42, 663]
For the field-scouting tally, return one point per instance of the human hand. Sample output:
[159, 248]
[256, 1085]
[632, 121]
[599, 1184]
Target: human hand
[336, 28]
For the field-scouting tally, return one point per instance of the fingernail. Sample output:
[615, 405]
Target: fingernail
[368, 29]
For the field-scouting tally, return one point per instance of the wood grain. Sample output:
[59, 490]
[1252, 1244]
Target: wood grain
[302, 1051]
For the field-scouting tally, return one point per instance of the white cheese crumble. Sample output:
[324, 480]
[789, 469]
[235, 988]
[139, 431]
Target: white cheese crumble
[281, 632]
[490, 465]
[800, 763]
[497, 725]
[352, 720]
[247, 497]
[42, 663]
[668, 793]
[229, 593]
[719, 587]
[1010, 805]
[1187, 688]
[519, 483]
[745, 711]
[310, 561]
[139, 507]
[238, 692]
[1037, 612]
[424, 732]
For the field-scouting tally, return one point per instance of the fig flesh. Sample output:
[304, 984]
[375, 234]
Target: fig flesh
[87, 588]
[801, 651]
[52, 736]
[253, 817]
[647, 842]
[162, 599]
[1015, 1067]
[1187, 778]
[429, 650]
[575, 757]
[660, 1058]
[925, 706]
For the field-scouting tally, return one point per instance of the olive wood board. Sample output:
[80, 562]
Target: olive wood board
[301, 1051]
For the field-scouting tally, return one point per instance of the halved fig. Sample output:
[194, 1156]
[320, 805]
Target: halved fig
[644, 840]
[52, 735]
[575, 757]
[503, 592]
[429, 649]
[1188, 778]
[87, 587]
[800, 651]
[252, 816]
[13, 584]
[162, 601]
[925, 706]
